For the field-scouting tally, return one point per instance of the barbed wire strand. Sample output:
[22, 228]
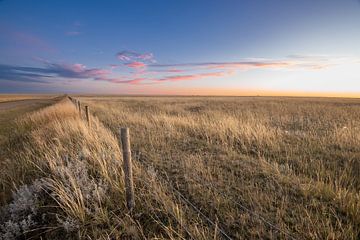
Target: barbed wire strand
[188, 202]
[172, 214]
[263, 219]
[210, 187]
[202, 214]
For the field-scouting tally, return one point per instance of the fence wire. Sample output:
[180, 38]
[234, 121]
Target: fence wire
[196, 209]
[211, 188]
[187, 201]
[253, 213]
[173, 215]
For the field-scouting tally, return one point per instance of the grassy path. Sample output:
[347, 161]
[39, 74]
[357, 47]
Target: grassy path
[11, 110]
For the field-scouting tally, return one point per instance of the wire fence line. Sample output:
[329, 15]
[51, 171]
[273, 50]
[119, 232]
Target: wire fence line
[172, 214]
[202, 214]
[224, 195]
[77, 105]
[163, 176]
[263, 219]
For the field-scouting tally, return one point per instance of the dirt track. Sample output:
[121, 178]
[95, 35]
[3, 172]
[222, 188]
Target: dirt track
[23, 103]
[11, 110]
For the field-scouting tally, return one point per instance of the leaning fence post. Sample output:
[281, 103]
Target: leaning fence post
[129, 188]
[87, 115]
[79, 106]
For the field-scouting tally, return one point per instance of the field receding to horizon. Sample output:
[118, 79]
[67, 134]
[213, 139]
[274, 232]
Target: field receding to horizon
[17, 97]
[204, 168]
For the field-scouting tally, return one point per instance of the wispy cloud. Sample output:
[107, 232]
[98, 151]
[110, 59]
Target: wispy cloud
[77, 71]
[151, 73]
[113, 66]
[245, 65]
[134, 81]
[176, 78]
[317, 62]
[131, 56]
[141, 60]
[23, 74]
[50, 72]
[309, 57]
[136, 65]
[170, 78]
[167, 70]
[53, 71]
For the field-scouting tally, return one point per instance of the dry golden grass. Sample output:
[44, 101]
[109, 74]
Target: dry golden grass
[13, 109]
[16, 97]
[293, 161]
[67, 180]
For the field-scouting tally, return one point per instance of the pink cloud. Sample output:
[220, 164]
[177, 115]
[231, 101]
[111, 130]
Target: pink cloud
[234, 65]
[250, 65]
[77, 71]
[134, 81]
[175, 70]
[113, 66]
[136, 65]
[77, 67]
[175, 78]
[194, 76]
[142, 70]
[290, 63]
[162, 71]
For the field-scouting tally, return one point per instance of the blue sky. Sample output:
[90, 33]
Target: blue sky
[181, 47]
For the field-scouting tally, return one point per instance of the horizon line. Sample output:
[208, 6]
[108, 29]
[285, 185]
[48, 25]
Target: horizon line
[324, 95]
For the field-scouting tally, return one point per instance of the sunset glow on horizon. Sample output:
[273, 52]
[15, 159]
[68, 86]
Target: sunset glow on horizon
[247, 48]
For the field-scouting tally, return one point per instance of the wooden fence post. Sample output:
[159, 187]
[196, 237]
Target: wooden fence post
[87, 115]
[79, 107]
[129, 185]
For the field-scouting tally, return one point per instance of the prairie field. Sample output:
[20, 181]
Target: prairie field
[204, 168]
[16, 97]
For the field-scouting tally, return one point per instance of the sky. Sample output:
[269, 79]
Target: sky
[187, 47]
